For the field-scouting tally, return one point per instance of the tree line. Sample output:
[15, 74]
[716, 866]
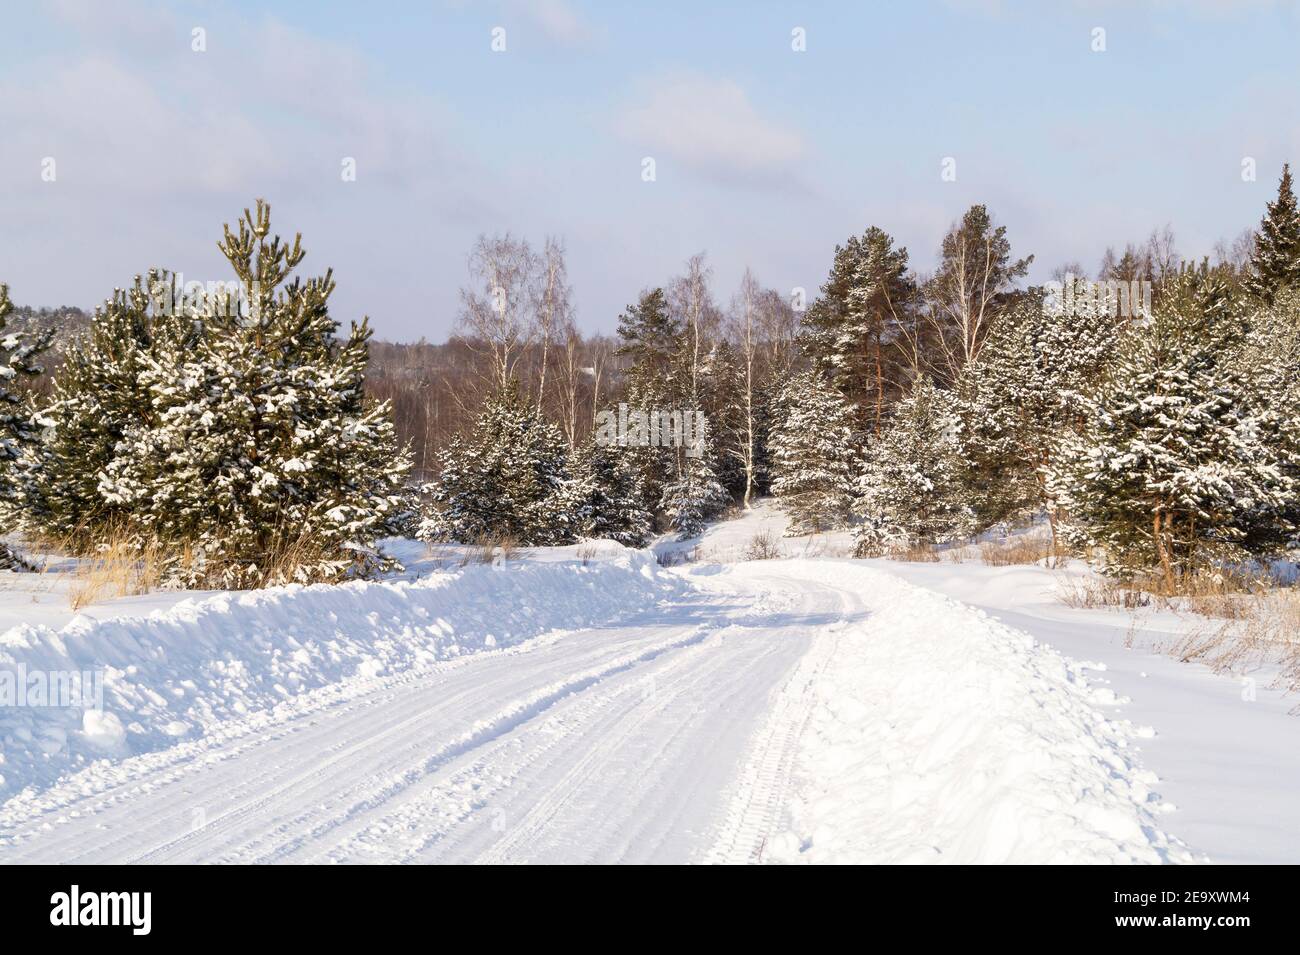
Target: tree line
[253, 442]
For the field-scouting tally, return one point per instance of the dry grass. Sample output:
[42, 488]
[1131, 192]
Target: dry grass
[491, 550]
[1264, 628]
[119, 568]
[1096, 592]
[959, 555]
[1025, 549]
[765, 545]
[1238, 621]
[916, 552]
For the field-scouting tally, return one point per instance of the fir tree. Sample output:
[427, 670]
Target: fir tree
[1275, 261]
[910, 491]
[813, 455]
[507, 480]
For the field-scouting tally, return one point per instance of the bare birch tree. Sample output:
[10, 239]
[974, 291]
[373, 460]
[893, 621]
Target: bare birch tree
[746, 332]
[497, 307]
[554, 310]
[970, 289]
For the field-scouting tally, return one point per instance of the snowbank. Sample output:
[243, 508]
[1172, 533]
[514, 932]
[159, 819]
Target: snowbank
[178, 672]
[938, 734]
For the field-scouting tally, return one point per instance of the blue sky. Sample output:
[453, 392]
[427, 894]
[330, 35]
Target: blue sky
[764, 156]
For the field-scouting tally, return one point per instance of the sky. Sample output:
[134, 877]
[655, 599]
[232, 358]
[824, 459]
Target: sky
[764, 155]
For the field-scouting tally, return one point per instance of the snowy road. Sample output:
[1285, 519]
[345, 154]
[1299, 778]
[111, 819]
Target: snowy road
[602, 745]
[792, 711]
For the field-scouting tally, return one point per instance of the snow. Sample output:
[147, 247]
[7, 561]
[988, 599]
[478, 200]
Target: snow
[585, 704]
[1225, 746]
[936, 734]
[182, 671]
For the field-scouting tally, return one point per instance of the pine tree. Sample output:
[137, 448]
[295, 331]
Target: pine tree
[671, 373]
[851, 331]
[695, 495]
[605, 497]
[17, 431]
[813, 455]
[1275, 261]
[1026, 389]
[508, 479]
[1178, 464]
[972, 288]
[97, 395]
[260, 460]
[911, 491]
[1269, 363]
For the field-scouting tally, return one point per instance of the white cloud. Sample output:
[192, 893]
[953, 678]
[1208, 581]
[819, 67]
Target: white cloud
[710, 125]
[558, 21]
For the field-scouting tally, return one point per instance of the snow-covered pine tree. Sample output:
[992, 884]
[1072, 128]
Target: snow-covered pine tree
[650, 338]
[849, 330]
[1270, 364]
[17, 431]
[97, 395]
[694, 496]
[682, 491]
[261, 460]
[604, 495]
[911, 490]
[1179, 464]
[721, 384]
[507, 480]
[1275, 261]
[813, 454]
[1024, 391]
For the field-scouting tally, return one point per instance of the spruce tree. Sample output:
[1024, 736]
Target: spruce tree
[813, 455]
[1275, 261]
[17, 430]
[911, 491]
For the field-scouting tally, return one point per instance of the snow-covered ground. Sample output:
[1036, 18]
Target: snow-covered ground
[1225, 747]
[587, 704]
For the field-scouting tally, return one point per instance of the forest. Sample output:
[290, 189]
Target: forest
[1143, 410]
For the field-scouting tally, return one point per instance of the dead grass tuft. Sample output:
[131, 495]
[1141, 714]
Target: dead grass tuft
[765, 545]
[120, 567]
[1018, 550]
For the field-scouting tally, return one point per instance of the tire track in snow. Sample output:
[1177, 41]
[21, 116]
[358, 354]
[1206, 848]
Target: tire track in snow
[482, 733]
[762, 790]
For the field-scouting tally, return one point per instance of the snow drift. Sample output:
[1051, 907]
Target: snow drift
[180, 672]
